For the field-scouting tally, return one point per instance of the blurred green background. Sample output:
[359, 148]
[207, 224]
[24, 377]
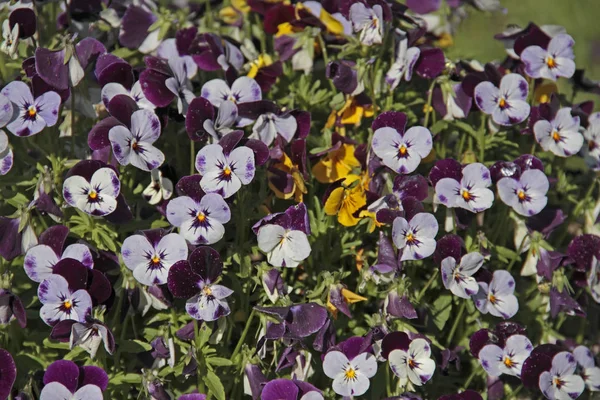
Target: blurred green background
[581, 18]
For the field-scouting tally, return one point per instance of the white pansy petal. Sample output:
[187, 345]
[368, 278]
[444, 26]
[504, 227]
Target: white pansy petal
[147, 157]
[241, 161]
[419, 140]
[486, 97]
[476, 175]
[88, 392]
[180, 210]
[209, 158]
[56, 391]
[573, 386]
[584, 357]
[447, 268]
[145, 126]
[481, 298]
[502, 283]
[507, 191]
[39, 261]
[424, 225]
[286, 126]
[120, 140]
[216, 91]
[399, 227]
[75, 190]
[398, 362]
[298, 248]
[79, 252]
[385, 145]
[571, 142]
[172, 248]
[506, 306]
[592, 378]
[514, 87]
[423, 249]
[269, 237]
[334, 363]
[246, 89]
[563, 364]
[105, 180]
[470, 263]
[447, 190]
[483, 199]
[561, 45]
[216, 207]
[214, 181]
[491, 357]
[341, 386]
[366, 364]
[111, 90]
[136, 251]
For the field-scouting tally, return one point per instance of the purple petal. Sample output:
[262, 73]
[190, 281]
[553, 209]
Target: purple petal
[155, 89]
[431, 63]
[392, 119]
[199, 110]
[280, 389]
[393, 341]
[92, 375]
[182, 281]
[206, 262]
[134, 26]
[88, 50]
[190, 186]
[8, 373]
[26, 19]
[64, 372]
[98, 136]
[73, 271]
[448, 168]
[122, 108]
[582, 249]
[51, 68]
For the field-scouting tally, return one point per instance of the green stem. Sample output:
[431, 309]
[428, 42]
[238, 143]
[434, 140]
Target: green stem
[199, 360]
[428, 105]
[518, 254]
[457, 320]
[325, 57]
[470, 378]
[482, 132]
[429, 282]
[240, 342]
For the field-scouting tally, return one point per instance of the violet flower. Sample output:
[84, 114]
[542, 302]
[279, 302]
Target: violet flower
[497, 297]
[112, 89]
[202, 122]
[553, 62]
[410, 360]
[459, 278]
[179, 84]
[134, 27]
[508, 360]
[402, 68]
[295, 322]
[290, 389]
[88, 335]
[526, 194]
[416, 237]
[151, 255]
[6, 154]
[135, 145]
[455, 105]
[8, 373]
[350, 370]
[508, 104]
[169, 51]
[469, 191]
[400, 150]
[98, 196]
[195, 279]
[63, 379]
[560, 136]
[10, 42]
[270, 124]
[589, 371]
[561, 382]
[368, 21]
[33, 115]
[243, 90]
[60, 303]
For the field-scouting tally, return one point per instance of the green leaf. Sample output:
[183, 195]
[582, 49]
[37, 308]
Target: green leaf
[505, 254]
[55, 345]
[219, 361]
[134, 346]
[126, 378]
[214, 385]
[204, 332]
[441, 309]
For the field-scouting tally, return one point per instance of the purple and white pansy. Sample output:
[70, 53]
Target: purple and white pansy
[6, 154]
[159, 189]
[64, 380]
[179, 84]
[409, 360]
[195, 280]
[497, 297]
[112, 89]
[368, 21]
[243, 90]
[350, 375]
[98, 196]
[400, 150]
[560, 136]
[593, 279]
[60, 303]
[416, 238]
[269, 125]
[508, 104]
[135, 146]
[459, 278]
[402, 68]
[508, 360]
[525, 194]
[470, 193]
[591, 152]
[32, 115]
[562, 382]
[151, 255]
[551, 63]
[589, 371]
[168, 50]
[225, 173]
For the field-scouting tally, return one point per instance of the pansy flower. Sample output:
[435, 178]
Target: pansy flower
[287, 174]
[33, 114]
[269, 125]
[195, 280]
[225, 173]
[589, 371]
[409, 360]
[497, 297]
[591, 152]
[562, 382]
[159, 189]
[338, 163]
[553, 62]
[508, 360]
[286, 389]
[508, 104]
[6, 154]
[112, 89]
[339, 298]
[284, 237]
[526, 194]
[402, 68]
[243, 90]
[345, 199]
[135, 31]
[151, 254]
[179, 84]
[295, 322]
[63, 379]
[8, 373]
[168, 50]
[593, 279]
[368, 21]
[60, 303]
[416, 237]
[453, 103]
[202, 121]
[459, 278]
[97, 196]
[88, 335]
[40, 260]
[560, 136]
[468, 190]
[400, 150]
[350, 369]
[135, 145]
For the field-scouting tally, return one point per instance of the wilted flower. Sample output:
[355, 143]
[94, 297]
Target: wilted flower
[350, 374]
[416, 238]
[225, 173]
[33, 114]
[406, 58]
[60, 303]
[508, 104]
[561, 382]
[497, 297]
[368, 21]
[561, 136]
[508, 360]
[553, 62]
[399, 150]
[195, 280]
[526, 194]
[590, 373]
[468, 191]
[63, 379]
[159, 189]
[243, 90]
[98, 196]
[459, 278]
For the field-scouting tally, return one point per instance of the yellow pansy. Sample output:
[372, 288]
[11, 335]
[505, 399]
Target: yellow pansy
[336, 165]
[263, 60]
[339, 297]
[298, 189]
[333, 25]
[351, 113]
[346, 200]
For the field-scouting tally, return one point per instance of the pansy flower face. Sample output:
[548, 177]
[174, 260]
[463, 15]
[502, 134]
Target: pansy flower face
[98, 196]
[225, 174]
[561, 382]
[459, 278]
[561, 136]
[159, 189]
[33, 115]
[269, 125]
[497, 361]
[59, 303]
[199, 222]
[497, 298]
[64, 380]
[471, 193]
[40, 260]
[284, 247]
[112, 89]
[151, 256]
[590, 372]
[135, 146]
[179, 84]
[552, 63]
[413, 364]
[507, 105]
[591, 152]
[243, 90]
[350, 377]
[403, 67]
[368, 21]
[402, 151]
[227, 115]
[527, 194]
[168, 50]
[10, 42]
[6, 154]
[416, 237]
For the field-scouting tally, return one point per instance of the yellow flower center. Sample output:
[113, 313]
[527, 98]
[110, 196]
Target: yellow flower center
[558, 382]
[466, 195]
[134, 146]
[227, 171]
[67, 304]
[155, 259]
[521, 195]
[544, 98]
[508, 362]
[93, 195]
[493, 299]
[410, 238]
[411, 363]
[201, 217]
[207, 291]
[402, 150]
[502, 102]
[31, 111]
[556, 136]
[350, 373]
[550, 62]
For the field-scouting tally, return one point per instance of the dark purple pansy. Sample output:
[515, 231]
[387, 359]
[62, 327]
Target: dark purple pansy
[344, 76]
[561, 301]
[431, 63]
[582, 249]
[400, 306]
[134, 29]
[26, 20]
[295, 322]
[63, 379]
[289, 389]
[449, 246]
[8, 373]
[11, 306]
[539, 360]
[295, 217]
